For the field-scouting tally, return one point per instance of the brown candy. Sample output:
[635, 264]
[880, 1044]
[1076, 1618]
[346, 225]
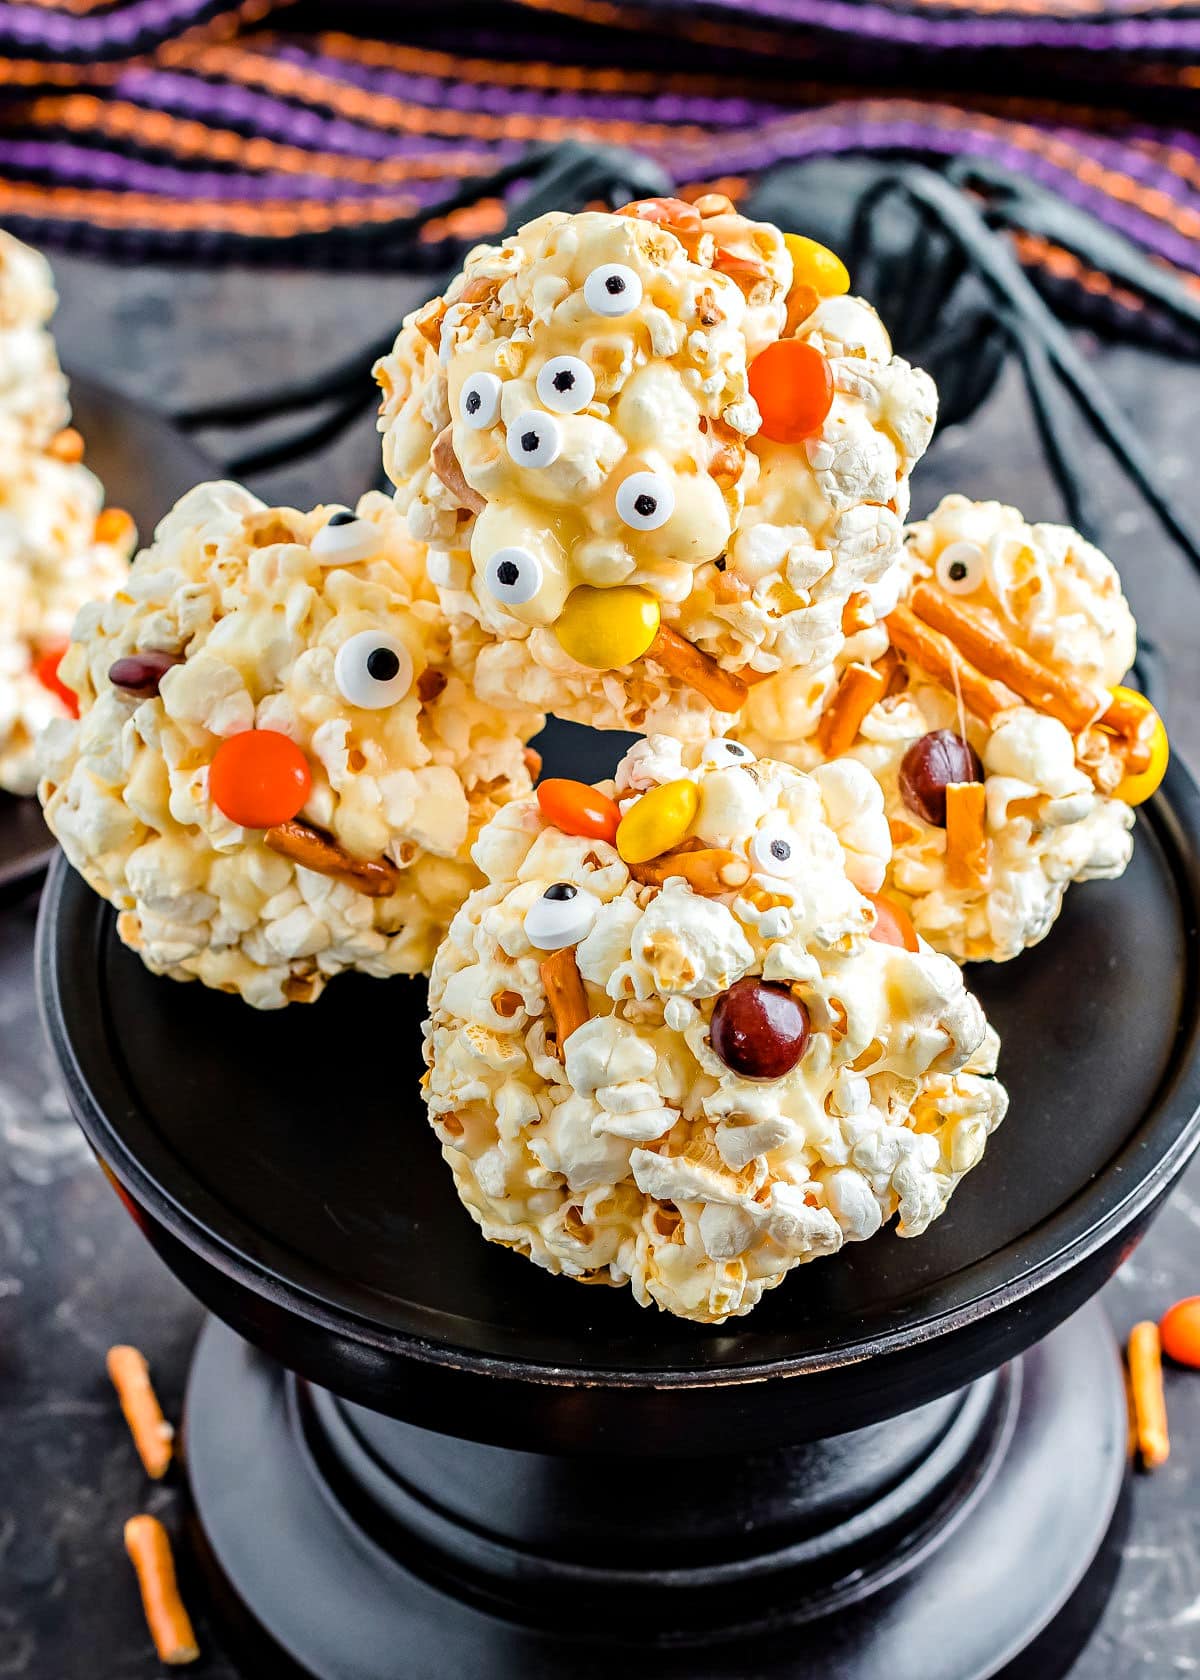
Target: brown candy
[759, 1030]
[929, 767]
[141, 673]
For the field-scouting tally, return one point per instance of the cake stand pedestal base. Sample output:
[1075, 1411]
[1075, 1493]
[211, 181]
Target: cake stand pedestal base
[965, 1540]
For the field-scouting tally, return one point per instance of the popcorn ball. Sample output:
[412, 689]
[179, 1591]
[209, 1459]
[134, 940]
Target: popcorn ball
[280, 762]
[679, 1041]
[33, 391]
[989, 705]
[652, 454]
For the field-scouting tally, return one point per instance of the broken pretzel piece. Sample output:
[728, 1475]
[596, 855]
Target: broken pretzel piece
[707, 870]
[722, 689]
[312, 849]
[860, 687]
[170, 1626]
[967, 860]
[446, 465]
[981, 640]
[152, 1434]
[940, 659]
[858, 613]
[565, 994]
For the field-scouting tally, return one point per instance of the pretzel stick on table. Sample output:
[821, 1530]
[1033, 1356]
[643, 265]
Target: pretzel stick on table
[1149, 1399]
[319, 852]
[170, 1626]
[981, 640]
[966, 834]
[722, 689]
[707, 870]
[860, 687]
[565, 994]
[152, 1434]
[939, 658]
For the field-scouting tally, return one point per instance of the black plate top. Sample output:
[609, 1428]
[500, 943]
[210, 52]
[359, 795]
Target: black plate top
[145, 465]
[291, 1150]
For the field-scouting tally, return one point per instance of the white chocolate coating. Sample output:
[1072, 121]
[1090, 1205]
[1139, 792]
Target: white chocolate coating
[259, 617]
[53, 558]
[641, 1157]
[795, 528]
[1051, 819]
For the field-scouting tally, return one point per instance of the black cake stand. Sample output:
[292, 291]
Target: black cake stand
[145, 464]
[413, 1456]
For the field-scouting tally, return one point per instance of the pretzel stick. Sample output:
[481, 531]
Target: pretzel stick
[1149, 1400]
[448, 468]
[311, 849]
[980, 639]
[939, 658]
[706, 871]
[722, 689]
[857, 614]
[966, 834]
[860, 687]
[170, 1627]
[565, 995]
[532, 759]
[1133, 726]
[152, 1434]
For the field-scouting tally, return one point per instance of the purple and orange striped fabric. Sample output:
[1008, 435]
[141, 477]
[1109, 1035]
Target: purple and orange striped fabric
[197, 127]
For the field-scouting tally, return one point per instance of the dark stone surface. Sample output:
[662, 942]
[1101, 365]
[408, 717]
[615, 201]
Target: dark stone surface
[75, 1274]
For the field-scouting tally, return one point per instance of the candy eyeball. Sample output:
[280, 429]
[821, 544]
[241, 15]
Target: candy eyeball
[960, 568]
[534, 439]
[373, 670]
[479, 401]
[344, 539]
[563, 915]
[513, 576]
[720, 754]
[645, 500]
[775, 850]
[566, 384]
[612, 289]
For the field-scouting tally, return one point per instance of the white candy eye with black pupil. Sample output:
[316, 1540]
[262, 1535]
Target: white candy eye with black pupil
[344, 539]
[563, 915]
[775, 850]
[534, 439]
[719, 754]
[565, 384]
[479, 401]
[513, 576]
[645, 501]
[612, 289]
[373, 670]
[960, 568]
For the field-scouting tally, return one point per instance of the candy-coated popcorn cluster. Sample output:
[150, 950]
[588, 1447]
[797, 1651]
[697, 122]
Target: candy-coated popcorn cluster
[280, 763]
[652, 454]
[987, 703]
[696, 1050]
[58, 545]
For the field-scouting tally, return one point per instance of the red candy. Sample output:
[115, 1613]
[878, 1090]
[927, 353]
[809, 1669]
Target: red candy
[576, 808]
[793, 387]
[45, 669]
[259, 778]
[892, 924]
[759, 1030]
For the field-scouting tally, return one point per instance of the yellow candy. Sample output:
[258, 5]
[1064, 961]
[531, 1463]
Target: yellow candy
[607, 628]
[816, 266]
[1137, 787]
[659, 820]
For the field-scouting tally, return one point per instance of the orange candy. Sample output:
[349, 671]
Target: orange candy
[576, 808]
[45, 669]
[892, 924]
[793, 387]
[259, 778]
[1179, 1329]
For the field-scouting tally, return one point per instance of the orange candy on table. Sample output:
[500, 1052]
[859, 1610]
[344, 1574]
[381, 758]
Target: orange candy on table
[892, 924]
[576, 808]
[1180, 1331]
[793, 386]
[45, 669]
[259, 778]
